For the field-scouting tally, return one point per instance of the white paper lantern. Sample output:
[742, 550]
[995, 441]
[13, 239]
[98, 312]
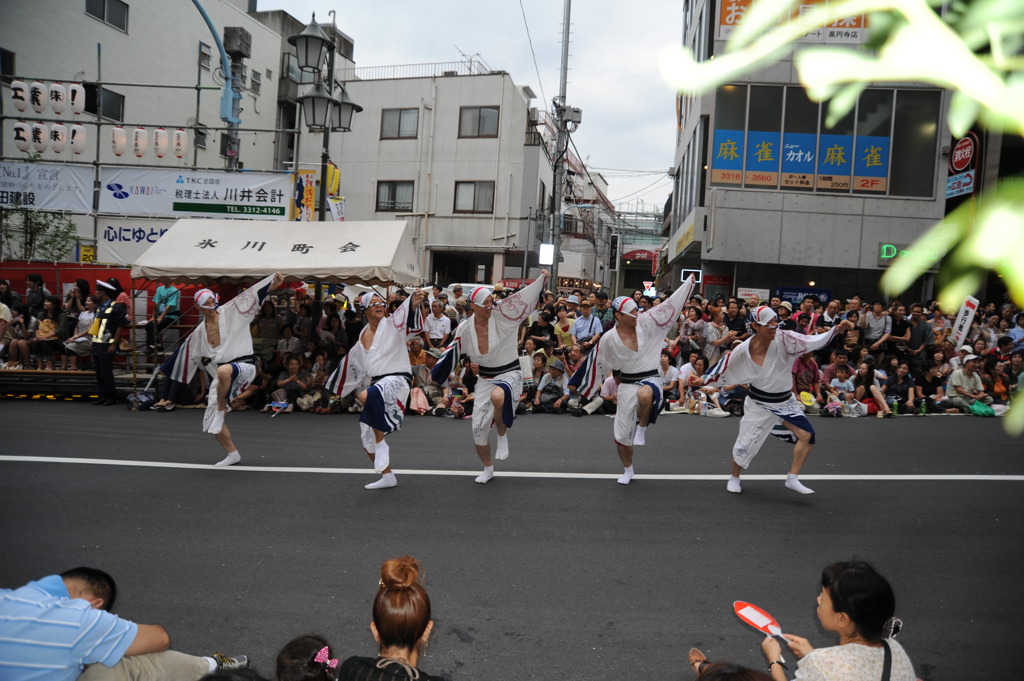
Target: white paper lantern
[22, 136]
[19, 94]
[58, 97]
[40, 137]
[58, 137]
[37, 96]
[161, 142]
[118, 140]
[78, 138]
[140, 140]
[76, 94]
[180, 143]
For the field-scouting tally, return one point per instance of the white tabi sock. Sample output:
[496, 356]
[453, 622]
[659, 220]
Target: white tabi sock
[626, 476]
[486, 475]
[640, 438]
[386, 480]
[793, 483]
[501, 451]
[230, 460]
[734, 485]
[381, 457]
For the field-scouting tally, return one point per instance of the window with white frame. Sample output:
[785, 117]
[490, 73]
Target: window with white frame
[110, 105]
[394, 195]
[256, 81]
[112, 12]
[205, 56]
[474, 197]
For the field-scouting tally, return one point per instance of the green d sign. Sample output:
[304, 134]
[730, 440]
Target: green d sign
[888, 253]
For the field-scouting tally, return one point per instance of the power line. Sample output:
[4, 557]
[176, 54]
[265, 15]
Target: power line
[640, 191]
[536, 68]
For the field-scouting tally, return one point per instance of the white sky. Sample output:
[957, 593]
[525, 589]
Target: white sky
[628, 111]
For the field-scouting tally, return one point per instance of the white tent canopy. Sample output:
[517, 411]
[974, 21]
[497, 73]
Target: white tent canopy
[221, 251]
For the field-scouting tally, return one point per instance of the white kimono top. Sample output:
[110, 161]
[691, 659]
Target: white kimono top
[388, 353]
[776, 374]
[234, 319]
[611, 352]
[502, 327]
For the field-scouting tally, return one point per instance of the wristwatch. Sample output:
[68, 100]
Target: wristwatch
[777, 662]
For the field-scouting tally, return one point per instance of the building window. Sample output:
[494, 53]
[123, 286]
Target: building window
[113, 12]
[394, 196]
[112, 104]
[201, 132]
[399, 123]
[205, 56]
[256, 82]
[6, 65]
[478, 121]
[474, 197]
[914, 138]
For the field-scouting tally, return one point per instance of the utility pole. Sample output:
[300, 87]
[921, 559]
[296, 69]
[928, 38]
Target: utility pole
[560, 147]
[238, 45]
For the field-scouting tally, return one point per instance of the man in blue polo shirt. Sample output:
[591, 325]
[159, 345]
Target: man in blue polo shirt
[52, 628]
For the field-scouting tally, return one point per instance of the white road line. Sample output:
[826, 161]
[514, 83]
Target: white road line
[501, 473]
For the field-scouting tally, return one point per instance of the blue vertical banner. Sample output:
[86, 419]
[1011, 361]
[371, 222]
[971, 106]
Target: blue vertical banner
[871, 164]
[798, 153]
[835, 162]
[762, 159]
[727, 158]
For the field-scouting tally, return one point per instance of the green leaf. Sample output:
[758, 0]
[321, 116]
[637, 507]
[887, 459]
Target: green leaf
[760, 18]
[963, 111]
[843, 102]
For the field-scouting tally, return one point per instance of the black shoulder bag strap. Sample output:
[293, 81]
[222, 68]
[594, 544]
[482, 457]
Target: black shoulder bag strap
[887, 662]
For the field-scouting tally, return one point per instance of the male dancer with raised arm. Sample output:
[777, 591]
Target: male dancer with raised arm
[222, 345]
[765, 363]
[381, 356]
[489, 339]
[633, 346]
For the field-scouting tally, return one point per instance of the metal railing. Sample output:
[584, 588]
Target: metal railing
[473, 67]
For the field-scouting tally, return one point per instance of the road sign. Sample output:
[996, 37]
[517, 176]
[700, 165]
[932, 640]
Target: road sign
[962, 157]
[648, 284]
[961, 183]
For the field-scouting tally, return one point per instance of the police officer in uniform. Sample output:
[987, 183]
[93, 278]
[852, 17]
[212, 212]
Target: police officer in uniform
[111, 318]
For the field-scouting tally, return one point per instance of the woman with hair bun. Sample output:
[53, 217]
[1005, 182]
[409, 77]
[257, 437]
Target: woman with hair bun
[401, 626]
[858, 604]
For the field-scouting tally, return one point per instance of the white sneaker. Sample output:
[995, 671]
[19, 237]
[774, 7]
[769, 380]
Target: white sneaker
[716, 413]
[386, 480]
[230, 460]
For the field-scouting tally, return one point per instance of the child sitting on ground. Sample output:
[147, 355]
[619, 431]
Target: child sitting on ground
[840, 393]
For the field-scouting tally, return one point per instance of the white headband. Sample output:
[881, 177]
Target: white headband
[206, 299]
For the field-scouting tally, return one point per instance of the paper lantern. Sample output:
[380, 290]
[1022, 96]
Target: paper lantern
[19, 94]
[118, 140]
[22, 135]
[40, 137]
[140, 140]
[37, 96]
[78, 138]
[180, 143]
[58, 137]
[58, 97]
[161, 142]
[76, 94]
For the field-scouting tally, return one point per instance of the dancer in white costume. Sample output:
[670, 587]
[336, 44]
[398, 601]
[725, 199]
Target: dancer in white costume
[633, 347]
[489, 339]
[222, 345]
[381, 359]
[765, 363]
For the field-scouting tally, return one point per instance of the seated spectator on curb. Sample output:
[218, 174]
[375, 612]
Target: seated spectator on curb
[289, 344]
[867, 388]
[417, 355]
[1016, 333]
[610, 392]
[841, 388]
[965, 386]
[1016, 367]
[1002, 350]
[858, 604]
[994, 379]
[47, 340]
[930, 388]
[806, 379]
[900, 390]
[62, 623]
[840, 357]
[669, 376]
[293, 381]
[553, 391]
[79, 343]
[401, 627]
[306, 658]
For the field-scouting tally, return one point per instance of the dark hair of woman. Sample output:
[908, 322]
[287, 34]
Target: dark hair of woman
[857, 589]
[726, 671]
[83, 287]
[401, 610]
[298, 660]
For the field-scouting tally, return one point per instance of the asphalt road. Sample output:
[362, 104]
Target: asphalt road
[551, 570]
